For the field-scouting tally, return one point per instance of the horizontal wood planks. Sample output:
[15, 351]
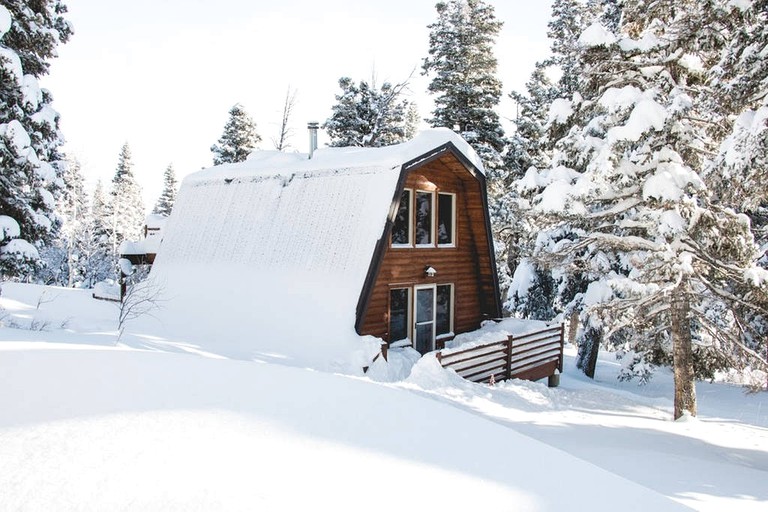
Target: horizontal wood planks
[531, 356]
[467, 265]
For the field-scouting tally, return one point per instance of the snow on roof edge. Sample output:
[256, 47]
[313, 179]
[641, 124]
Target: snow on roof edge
[265, 163]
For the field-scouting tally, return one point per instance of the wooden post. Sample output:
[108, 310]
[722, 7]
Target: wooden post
[508, 369]
[384, 350]
[562, 344]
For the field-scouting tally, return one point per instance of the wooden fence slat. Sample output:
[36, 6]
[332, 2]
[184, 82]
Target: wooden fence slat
[532, 355]
[487, 349]
[522, 354]
[537, 333]
[472, 349]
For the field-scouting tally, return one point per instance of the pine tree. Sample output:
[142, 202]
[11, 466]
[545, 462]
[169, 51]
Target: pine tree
[125, 209]
[66, 258]
[537, 291]
[463, 69]
[737, 176]
[625, 184]
[168, 196]
[29, 133]
[239, 138]
[367, 116]
[100, 258]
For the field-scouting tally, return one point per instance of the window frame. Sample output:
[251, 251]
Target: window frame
[451, 311]
[432, 237]
[408, 313]
[410, 225]
[452, 243]
[433, 221]
[433, 322]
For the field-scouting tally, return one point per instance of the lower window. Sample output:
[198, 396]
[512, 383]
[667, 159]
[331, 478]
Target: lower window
[421, 314]
[398, 314]
[444, 310]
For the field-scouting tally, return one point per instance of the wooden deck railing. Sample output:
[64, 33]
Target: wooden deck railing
[530, 356]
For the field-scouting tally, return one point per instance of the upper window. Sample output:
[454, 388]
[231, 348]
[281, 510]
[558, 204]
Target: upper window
[446, 206]
[425, 219]
[401, 229]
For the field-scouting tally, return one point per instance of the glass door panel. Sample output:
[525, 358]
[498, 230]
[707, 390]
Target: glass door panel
[424, 314]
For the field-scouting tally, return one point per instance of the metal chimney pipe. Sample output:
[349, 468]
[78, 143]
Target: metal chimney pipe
[312, 126]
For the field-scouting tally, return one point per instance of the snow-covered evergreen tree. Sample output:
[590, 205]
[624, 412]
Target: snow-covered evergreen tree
[125, 208]
[737, 175]
[239, 138]
[100, 257]
[535, 292]
[624, 185]
[66, 259]
[463, 69]
[164, 204]
[367, 116]
[29, 133]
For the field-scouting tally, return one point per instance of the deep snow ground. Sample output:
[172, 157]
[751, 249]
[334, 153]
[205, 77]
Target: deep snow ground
[87, 422]
[715, 462]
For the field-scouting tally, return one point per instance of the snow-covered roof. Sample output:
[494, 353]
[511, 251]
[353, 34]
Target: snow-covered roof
[288, 242]
[273, 163]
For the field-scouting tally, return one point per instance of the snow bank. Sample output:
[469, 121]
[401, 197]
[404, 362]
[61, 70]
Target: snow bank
[127, 430]
[50, 308]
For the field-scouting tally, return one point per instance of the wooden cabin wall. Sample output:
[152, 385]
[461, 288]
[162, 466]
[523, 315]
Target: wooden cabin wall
[467, 265]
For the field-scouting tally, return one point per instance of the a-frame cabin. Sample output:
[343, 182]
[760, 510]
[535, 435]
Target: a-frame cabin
[308, 259]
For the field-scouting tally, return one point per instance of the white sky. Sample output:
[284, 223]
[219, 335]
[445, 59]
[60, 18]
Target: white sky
[162, 75]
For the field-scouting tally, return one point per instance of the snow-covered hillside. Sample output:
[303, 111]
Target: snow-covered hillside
[90, 423]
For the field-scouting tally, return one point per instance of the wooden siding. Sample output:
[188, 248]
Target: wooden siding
[468, 265]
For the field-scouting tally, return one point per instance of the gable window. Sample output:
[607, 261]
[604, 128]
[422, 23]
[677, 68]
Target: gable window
[399, 308]
[446, 213]
[401, 229]
[424, 218]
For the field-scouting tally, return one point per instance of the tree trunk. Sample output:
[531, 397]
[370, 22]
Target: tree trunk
[573, 327]
[588, 348]
[682, 352]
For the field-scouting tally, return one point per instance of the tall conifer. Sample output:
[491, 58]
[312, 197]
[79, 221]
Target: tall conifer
[164, 204]
[29, 133]
[239, 138]
[462, 65]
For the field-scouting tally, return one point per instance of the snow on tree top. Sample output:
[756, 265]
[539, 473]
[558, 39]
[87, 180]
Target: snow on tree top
[9, 228]
[596, 35]
[5, 21]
